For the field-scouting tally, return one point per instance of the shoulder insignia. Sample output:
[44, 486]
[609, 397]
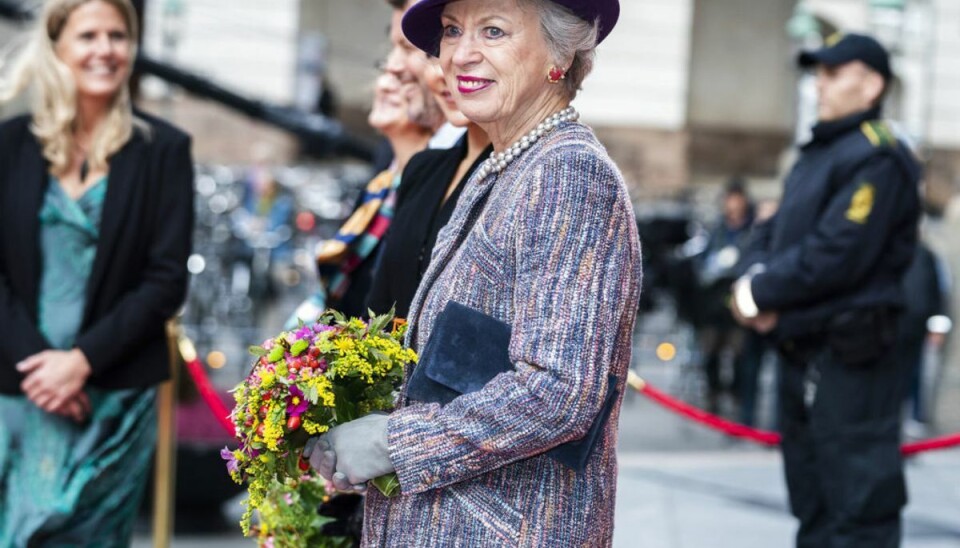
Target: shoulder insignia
[861, 204]
[878, 133]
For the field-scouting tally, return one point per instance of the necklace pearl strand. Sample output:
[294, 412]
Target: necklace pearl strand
[498, 161]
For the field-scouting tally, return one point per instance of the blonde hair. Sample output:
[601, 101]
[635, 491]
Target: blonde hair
[54, 91]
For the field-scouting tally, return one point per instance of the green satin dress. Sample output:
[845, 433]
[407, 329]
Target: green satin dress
[62, 483]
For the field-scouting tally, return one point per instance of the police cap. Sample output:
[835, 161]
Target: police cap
[847, 48]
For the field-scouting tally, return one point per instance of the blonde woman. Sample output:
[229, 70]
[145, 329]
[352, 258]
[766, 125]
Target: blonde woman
[95, 224]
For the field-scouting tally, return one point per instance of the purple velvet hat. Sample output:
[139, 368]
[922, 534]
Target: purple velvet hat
[421, 23]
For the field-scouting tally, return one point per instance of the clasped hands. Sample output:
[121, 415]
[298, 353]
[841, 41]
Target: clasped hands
[54, 382]
[762, 322]
[352, 454]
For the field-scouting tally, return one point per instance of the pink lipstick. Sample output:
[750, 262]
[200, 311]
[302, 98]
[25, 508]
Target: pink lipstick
[469, 84]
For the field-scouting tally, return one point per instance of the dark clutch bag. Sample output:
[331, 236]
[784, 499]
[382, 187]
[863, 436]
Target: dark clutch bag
[466, 350]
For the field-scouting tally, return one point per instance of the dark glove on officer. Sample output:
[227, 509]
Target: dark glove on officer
[353, 453]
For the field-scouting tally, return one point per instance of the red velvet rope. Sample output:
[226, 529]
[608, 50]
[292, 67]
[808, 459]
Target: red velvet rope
[712, 421]
[188, 352]
[763, 437]
[942, 442]
[209, 394]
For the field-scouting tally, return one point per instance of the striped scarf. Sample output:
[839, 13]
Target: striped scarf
[340, 256]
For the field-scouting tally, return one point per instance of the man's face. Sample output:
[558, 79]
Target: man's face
[735, 209]
[409, 65]
[846, 89]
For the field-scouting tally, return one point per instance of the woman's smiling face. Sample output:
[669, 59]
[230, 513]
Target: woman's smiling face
[437, 84]
[391, 110]
[493, 54]
[95, 45]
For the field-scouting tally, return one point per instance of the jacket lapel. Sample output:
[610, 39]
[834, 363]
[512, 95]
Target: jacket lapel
[472, 208]
[122, 180]
[29, 185]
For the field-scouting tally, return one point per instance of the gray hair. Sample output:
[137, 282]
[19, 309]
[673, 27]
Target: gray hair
[568, 37]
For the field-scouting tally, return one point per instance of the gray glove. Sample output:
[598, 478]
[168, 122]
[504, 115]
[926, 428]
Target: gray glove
[353, 453]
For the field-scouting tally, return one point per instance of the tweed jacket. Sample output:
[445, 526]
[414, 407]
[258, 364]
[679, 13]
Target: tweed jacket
[555, 254]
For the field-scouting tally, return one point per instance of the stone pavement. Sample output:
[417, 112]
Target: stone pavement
[737, 499]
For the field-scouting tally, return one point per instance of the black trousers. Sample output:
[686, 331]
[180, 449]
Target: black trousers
[841, 449]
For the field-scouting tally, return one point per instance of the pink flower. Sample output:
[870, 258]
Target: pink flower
[296, 403]
[227, 455]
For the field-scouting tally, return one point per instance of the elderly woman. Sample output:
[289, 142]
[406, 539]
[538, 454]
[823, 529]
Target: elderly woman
[544, 240]
[96, 215]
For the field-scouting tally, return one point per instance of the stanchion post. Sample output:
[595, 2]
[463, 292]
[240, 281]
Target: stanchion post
[165, 469]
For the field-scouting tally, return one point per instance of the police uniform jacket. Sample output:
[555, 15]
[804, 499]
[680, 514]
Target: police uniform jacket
[846, 228]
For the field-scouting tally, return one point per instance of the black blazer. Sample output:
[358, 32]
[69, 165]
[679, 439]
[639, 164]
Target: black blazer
[139, 275]
[419, 215]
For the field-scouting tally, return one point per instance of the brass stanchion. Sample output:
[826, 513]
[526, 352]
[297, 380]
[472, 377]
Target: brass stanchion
[165, 470]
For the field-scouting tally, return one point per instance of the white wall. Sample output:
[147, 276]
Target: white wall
[945, 95]
[357, 36]
[245, 45]
[642, 69]
[847, 15]
[12, 35]
[742, 69]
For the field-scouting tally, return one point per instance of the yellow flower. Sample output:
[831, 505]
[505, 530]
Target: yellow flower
[345, 345]
[272, 432]
[313, 428]
[267, 378]
[355, 323]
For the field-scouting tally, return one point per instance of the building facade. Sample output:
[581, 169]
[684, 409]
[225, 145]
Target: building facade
[682, 89]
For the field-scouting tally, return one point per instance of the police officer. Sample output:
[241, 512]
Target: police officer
[829, 288]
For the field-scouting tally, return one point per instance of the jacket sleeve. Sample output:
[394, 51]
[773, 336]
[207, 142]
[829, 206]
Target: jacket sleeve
[21, 337]
[757, 245]
[164, 284]
[576, 286]
[943, 283]
[845, 244]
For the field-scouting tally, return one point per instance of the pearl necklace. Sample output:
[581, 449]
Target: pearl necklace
[498, 161]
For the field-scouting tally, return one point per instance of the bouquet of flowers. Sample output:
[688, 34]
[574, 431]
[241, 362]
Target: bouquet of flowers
[303, 383]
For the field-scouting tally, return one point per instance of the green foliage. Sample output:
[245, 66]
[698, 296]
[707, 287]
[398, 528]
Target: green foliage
[291, 515]
[258, 351]
[298, 347]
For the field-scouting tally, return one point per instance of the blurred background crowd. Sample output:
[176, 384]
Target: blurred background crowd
[698, 101]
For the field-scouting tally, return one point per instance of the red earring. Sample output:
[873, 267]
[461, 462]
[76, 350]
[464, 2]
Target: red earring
[555, 75]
